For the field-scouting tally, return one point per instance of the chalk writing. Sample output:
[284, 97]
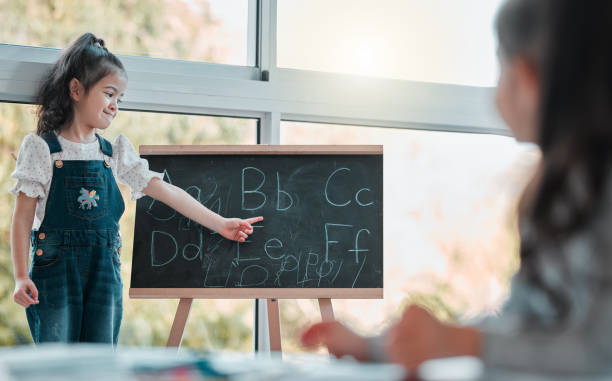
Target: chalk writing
[327, 186]
[279, 192]
[160, 234]
[255, 191]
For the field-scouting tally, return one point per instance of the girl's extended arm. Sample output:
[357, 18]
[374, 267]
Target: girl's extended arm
[25, 290]
[231, 228]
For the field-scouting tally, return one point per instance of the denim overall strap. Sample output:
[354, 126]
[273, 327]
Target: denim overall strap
[105, 146]
[52, 142]
[75, 253]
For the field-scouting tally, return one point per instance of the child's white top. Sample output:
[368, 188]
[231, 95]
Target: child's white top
[34, 168]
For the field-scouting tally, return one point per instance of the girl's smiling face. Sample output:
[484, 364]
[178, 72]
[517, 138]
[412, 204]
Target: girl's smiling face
[100, 105]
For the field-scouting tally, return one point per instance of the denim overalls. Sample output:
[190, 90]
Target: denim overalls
[75, 253]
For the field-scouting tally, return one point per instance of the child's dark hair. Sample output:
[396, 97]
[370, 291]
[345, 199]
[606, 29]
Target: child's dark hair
[87, 60]
[574, 40]
[521, 30]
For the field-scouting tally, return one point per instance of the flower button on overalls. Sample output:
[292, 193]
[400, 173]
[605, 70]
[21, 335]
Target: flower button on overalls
[75, 253]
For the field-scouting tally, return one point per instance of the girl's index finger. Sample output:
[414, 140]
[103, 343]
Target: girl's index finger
[29, 299]
[34, 292]
[252, 220]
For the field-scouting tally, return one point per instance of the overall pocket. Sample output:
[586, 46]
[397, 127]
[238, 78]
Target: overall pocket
[86, 197]
[116, 252]
[45, 256]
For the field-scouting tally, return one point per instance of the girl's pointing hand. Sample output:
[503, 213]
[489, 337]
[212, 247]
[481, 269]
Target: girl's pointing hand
[237, 229]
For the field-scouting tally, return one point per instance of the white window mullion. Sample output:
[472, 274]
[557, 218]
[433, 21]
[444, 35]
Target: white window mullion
[270, 128]
[267, 38]
[252, 35]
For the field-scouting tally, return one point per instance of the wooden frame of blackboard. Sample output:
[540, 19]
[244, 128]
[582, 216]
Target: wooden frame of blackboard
[257, 293]
[263, 293]
[324, 295]
[262, 149]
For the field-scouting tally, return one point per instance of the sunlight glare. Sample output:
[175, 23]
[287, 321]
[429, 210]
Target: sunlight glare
[363, 56]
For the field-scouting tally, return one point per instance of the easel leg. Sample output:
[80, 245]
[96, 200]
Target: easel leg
[180, 320]
[327, 311]
[274, 325]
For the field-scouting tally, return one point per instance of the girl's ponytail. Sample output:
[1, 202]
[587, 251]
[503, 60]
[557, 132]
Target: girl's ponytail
[87, 60]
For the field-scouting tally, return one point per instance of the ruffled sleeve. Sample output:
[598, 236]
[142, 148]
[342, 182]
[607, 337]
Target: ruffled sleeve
[131, 169]
[34, 168]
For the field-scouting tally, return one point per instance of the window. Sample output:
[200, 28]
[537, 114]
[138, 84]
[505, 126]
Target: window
[197, 30]
[442, 41]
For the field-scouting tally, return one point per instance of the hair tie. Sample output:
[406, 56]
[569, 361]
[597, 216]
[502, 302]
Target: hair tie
[99, 42]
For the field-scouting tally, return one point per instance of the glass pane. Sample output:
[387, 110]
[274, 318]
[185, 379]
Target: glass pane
[213, 324]
[450, 237]
[444, 41]
[197, 30]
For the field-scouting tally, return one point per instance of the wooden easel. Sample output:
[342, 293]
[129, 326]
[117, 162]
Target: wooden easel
[180, 320]
[184, 307]
[186, 295]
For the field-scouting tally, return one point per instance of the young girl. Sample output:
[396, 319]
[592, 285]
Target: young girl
[555, 89]
[68, 205]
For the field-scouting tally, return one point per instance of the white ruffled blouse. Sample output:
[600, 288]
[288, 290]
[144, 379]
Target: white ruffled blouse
[34, 168]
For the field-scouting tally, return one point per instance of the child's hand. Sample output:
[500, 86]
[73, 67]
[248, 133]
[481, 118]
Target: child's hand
[419, 336]
[339, 340]
[24, 287]
[238, 229]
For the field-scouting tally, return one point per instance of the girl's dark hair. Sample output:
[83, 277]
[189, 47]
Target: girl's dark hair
[87, 60]
[521, 30]
[570, 44]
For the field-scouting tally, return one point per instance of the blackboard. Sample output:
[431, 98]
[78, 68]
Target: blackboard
[322, 234]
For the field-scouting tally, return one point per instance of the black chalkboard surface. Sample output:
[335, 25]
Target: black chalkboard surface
[322, 234]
